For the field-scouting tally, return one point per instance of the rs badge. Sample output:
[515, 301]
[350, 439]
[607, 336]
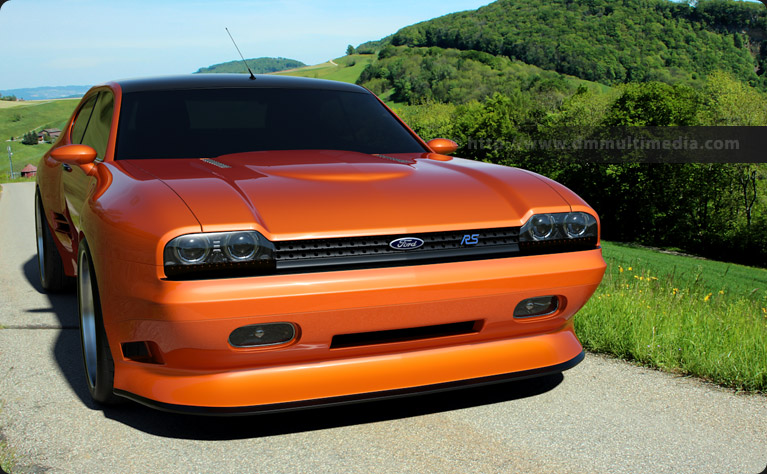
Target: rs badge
[470, 239]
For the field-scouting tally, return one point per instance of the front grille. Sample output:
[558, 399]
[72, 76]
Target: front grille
[375, 250]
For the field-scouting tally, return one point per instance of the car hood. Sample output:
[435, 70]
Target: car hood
[320, 193]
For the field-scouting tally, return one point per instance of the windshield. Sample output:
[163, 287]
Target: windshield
[205, 123]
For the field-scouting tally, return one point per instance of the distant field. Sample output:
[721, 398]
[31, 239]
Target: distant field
[7, 104]
[32, 115]
[348, 69]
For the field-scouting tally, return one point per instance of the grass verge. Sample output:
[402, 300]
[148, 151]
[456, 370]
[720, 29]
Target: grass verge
[681, 314]
[8, 458]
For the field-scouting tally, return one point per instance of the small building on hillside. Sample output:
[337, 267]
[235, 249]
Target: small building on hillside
[48, 135]
[29, 171]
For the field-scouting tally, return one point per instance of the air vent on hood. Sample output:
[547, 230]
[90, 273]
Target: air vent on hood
[214, 162]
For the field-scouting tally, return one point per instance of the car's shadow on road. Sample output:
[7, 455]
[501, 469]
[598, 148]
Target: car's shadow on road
[66, 350]
[68, 357]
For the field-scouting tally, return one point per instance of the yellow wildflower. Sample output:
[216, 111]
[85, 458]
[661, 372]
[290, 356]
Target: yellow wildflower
[620, 269]
[629, 268]
[708, 297]
[675, 290]
[721, 292]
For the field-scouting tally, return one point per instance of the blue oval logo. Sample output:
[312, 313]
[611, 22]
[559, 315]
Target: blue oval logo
[406, 243]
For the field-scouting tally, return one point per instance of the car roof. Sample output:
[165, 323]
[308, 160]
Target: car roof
[223, 81]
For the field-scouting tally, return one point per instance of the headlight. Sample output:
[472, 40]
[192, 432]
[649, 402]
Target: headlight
[219, 254]
[242, 246]
[191, 249]
[559, 232]
[576, 224]
[541, 226]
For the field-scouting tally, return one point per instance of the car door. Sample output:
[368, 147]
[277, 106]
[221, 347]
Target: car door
[91, 127]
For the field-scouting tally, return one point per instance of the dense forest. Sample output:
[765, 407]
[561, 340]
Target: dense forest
[258, 65]
[611, 41]
[494, 81]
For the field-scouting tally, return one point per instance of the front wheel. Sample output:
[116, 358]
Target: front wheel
[97, 358]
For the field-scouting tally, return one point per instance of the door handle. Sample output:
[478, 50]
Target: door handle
[67, 168]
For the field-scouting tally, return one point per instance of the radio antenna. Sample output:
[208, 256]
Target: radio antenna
[252, 76]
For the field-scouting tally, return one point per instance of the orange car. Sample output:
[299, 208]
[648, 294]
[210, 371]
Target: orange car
[251, 245]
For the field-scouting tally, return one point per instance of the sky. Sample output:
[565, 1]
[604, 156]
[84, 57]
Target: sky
[87, 42]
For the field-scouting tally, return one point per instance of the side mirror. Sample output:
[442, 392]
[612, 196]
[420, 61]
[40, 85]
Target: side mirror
[443, 146]
[77, 155]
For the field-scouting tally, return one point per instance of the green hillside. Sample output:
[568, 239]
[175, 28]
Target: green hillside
[344, 69]
[18, 120]
[257, 65]
[611, 41]
[417, 75]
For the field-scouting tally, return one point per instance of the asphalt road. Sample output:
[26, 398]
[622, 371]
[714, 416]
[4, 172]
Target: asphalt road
[604, 416]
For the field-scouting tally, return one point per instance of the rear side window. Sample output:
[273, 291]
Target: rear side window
[206, 123]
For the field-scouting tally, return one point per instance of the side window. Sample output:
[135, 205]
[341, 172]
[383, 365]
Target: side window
[97, 131]
[81, 122]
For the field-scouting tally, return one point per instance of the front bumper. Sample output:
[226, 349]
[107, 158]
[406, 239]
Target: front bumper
[188, 324]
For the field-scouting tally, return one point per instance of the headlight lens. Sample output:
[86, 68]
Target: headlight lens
[218, 254]
[576, 224]
[559, 232]
[191, 249]
[541, 226]
[241, 246]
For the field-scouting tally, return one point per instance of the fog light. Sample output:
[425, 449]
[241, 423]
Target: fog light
[538, 306]
[268, 334]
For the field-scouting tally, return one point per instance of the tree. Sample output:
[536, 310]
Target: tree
[349, 50]
[30, 138]
[747, 179]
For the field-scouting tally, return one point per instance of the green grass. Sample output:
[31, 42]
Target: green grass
[6, 178]
[681, 314]
[34, 115]
[348, 69]
[7, 457]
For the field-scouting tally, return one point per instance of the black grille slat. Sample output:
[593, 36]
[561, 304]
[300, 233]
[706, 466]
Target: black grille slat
[375, 250]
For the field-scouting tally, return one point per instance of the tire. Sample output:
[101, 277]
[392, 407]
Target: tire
[52, 276]
[97, 357]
